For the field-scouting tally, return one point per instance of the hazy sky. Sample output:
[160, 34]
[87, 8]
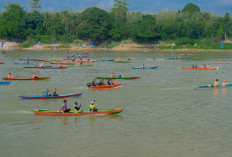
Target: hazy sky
[152, 6]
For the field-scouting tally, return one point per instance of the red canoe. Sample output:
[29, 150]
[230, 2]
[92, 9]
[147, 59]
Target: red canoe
[30, 78]
[63, 63]
[106, 86]
[55, 113]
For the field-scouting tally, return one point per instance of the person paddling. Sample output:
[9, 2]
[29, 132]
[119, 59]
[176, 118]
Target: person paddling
[93, 106]
[112, 75]
[46, 92]
[10, 76]
[55, 92]
[216, 83]
[64, 107]
[224, 83]
[77, 108]
[34, 75]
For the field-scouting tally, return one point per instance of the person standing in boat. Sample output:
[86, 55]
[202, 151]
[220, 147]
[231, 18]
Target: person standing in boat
[93, 106]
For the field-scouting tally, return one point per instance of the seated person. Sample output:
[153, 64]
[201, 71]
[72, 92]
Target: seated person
[65, 108]
[93, 106]
[46, 92]
[110, 82]
[224, 83]
[55, 92]
[35, 76]
[9, 76]
[119, 76]
[94, 83]
[77, 108]
[101, 82]
[216, 83]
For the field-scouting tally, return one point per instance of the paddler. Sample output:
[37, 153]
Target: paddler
[216, 83]
[208, 66]
[54, 93]
[224, 83]
[203, 66]
[64, 107]
[46, 92]
[143, 66]
[112, 75]
[9, 76]
[41, 65]
[34, 65]
[34, 75]
[179, 57]
[77, 108]
[93, 106]
[119, 59]
[94, 83]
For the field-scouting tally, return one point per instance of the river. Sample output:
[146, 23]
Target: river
[163, 115]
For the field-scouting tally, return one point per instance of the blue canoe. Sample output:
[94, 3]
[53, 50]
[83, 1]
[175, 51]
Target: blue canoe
[4, 83]
[105, 60]
[24, 63]
[211, 86]
[179, 58]
[46, 67]
[155, 67]
[48, 97]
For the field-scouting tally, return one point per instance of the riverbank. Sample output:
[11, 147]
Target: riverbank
[120, 47]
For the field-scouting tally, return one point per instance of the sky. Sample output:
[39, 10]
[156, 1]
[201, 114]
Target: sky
[219, 7]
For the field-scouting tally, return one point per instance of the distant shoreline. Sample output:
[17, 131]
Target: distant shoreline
[123, 47]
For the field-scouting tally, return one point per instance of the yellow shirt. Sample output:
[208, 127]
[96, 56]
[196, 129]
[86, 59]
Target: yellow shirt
[92, 107]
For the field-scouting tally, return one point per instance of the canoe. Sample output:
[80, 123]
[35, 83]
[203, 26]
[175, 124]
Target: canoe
[121, 61]
[2, 62]
[24, 63]
[186, 54]
[76, 65]
[105, 60]
[214, 68]
[210, 86]
[4, 83]
[30, 78]
[85, 61]
[179, 58]
[114, 78]
[62, 63]
[85, 112]
[48, 97]
[46, 67]
[221, 63]
[155, 67]
[105, 86]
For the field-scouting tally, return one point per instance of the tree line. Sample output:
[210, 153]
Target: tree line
[98, 25]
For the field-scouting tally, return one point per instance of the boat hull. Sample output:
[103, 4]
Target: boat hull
[199, 68]
[55, 113]
[114, 78]
[39, 78]
[106, 86]
[4, 83]
[211, 87]
[145, 68]
[48, 97]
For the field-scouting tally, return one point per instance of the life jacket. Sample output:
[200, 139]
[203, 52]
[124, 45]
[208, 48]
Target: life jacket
[112, 75]
[92, 107]
[215, 84]
[34, 76]
[9, 76]
[208, 66]
[75, 108]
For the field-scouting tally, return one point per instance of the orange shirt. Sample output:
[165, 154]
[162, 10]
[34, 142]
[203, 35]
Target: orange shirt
[10, 76]
[224, 84]
[215, 84]
[112, 75]
[208, 66]
[34, 76]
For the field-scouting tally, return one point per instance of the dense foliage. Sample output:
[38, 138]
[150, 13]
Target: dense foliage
[94, 24]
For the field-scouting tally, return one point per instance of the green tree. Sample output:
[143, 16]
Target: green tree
[94, 24]
[12, 22]
[191, 8]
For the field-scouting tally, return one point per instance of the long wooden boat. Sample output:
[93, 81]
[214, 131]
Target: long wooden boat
[63, 63]
[82, 65]
[85, 112]
[45, 67]
[211, 86]
[179, 58]
[121, 61]
[155, 67]
[30, 78]
[5, 83]
[24, 63]
[190, 68]
[84, 61]
[2, 62]
[105, 86]
[123, 78]
[48, 97]
[221, 63]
